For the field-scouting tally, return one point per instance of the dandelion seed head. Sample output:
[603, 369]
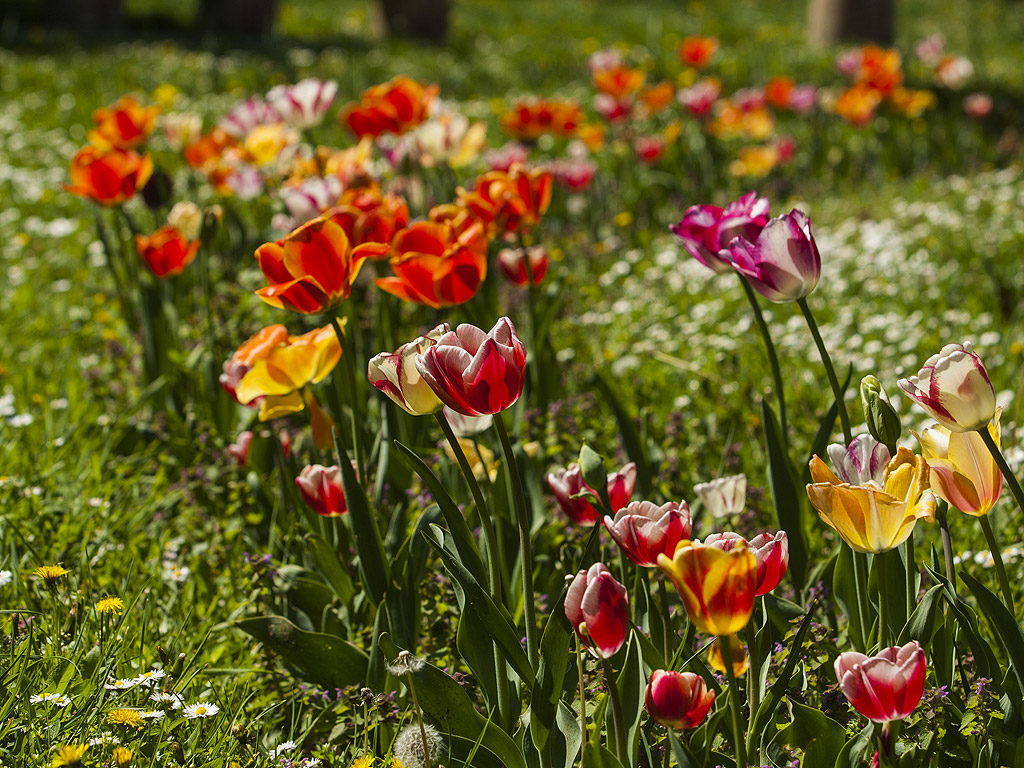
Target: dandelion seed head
[409, 747]
[405, 664]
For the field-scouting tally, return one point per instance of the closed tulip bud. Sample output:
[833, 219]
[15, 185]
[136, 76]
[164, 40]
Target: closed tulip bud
[395, 374]
[882, 419]
[645, 530]
[678, 699]
[884, 687]
[474, 372]
[953, 386]
[782, 263]
[597, 608]
[320, 487]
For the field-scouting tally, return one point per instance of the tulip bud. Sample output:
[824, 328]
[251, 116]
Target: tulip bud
[882, 419]
[678, 699]
[884, 687]
[953, 386]
[597, 608]
[320, 487]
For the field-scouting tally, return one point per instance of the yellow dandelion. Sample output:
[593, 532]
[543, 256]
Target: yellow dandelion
[110, 604]
[50, 573]
[123, 756]
[366, 761]
[128, 717]
[396, 763]
[69, 755]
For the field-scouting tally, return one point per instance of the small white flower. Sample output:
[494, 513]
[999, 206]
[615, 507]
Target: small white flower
[153, 714]
[176, 574]
[201, 709]
[122, 684]
[280, 749]
[49, 698]
[151, 677]
[104, 739]
[6, 577]
[310, 762]
[60, 701]
[21, 420]
[171, 700]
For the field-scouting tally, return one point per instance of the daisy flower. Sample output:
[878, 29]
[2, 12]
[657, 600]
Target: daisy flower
[168, 700]
[177, 574]
[284, 746]
[122, 684]
[153, 714]
[104, 739]
[201, 709]
[6, 577]
[151, 677]
[49, 698]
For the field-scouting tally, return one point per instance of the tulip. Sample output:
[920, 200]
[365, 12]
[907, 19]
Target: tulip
[953, 72]
[723, 497]
[187, 218]
[649, 149]
[645, 530]
[864, 460]
[977, 105]
[529, 120]
[568, 483]
[597, 608]
[257, 347]
[503, 158]
[473, 372]
[717, 586]
[480, 458]
[239, 449]
[109, 176]
[874, 517]
[700, 97]
[506, 202]
[125, 124]
[771, 552]
[307, 200]
[782, 263]
[166, 252]
[678, 699]
[884, 687]
[931, 49]
[953, 386]
[370, 217]
[575, 174]
[396, 376]
[247, 115]
[739, 659]
[437, 265]
[320, 488]
[512, 262]
[312, 269]
[696, 51]
[392, 107]
[612, 109]
[963, 472]
[282, 367]
[181, 128]
[304, 104]
[618, 81]
[445, 138]
[706, 230]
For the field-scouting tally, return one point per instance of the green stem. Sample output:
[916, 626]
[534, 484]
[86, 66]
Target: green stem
[1011, 479]
[618, 725]
[348, 362]
[911, 573]
[997, 556]
[884, 634]
[666, 617]
[769, 346]
[861, 592]
[738, 735]
[583, 699]
[525, 550]
[754, 675]
[844, 417]
[419, 717]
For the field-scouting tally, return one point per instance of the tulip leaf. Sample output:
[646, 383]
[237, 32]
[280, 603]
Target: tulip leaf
[563, 744]
[984, 657]
[854, 752]
[631, 440]
[476, 648]
[684, 757]
[786, 498]
[844, 587]
[597, 755]
[373, 564]
[445, 703]
[493, 616]
[326, 559]
[326, 660]
[631, 684]
[778, 689]
[921, 625]
[465, 546]
[1002, 622]
[555, 656]
[820, 737]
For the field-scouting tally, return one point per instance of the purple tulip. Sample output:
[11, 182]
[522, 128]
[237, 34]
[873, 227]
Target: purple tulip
[782, 263]
[707, 230]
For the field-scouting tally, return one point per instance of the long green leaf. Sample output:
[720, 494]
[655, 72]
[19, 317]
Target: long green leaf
[786, 497]
[631, 440]
[820, 737]
[555, 645]
[326, 660]
[1002, 622]
[631, 683]
[326, 558]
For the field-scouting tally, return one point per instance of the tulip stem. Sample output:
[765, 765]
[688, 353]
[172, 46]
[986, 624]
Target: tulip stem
[348, 362]
[861, 591]
[997, 556]
[734, 694]
[884, 634]
[911, 573]
[525, 551]
[947, 544]
[1011, 479]
[769, 346]
[666, 618]
[583, 698]
[754, 679]
[621, 747]
[844, 417]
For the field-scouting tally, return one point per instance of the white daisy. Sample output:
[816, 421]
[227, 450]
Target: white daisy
[280, 749]
[104, 739]
[6, 577]
[49, 698]
[60, 701]
[153, 714]
[178, 575]
[201, 709]
[150, 678]
[122, 684]
[168, 700]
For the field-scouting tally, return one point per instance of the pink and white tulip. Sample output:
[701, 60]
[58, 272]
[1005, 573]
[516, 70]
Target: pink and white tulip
[724, 496]
[771, 551]
[320, 488]
[953, 386]
[395, 374]
[598, 610]
[782, 263]
[884, 687]
[644, 530]
[864, 460]
[304, 104]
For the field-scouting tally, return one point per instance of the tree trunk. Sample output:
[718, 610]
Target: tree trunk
[416, 19]
[843, 21]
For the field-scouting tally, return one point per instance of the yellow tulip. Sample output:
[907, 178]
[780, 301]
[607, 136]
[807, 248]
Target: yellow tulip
[963, 471]
[871, 518]
[287, 369]
[717, 587]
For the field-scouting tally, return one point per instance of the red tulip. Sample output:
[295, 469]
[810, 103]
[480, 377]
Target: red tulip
[124, 124]
[596, 607]
[320, 487]
[771, 551]
[166, 252]
[108, 176]
[678, 699]
[884, 687]
[476, 373]
[645, 530]
[512, 262]
[566, 483]
[392, 107]
[239, 449]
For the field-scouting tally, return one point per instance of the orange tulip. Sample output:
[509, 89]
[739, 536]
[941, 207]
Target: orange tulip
[436, 265]
[391, 107]
[696, 51]
[167, 251]
[125, 124]
[509, 201]
[108, 176]
[529, 120]
[962, 471]
[657, 97]
[313, 268]
[778, 90]
[717, 586]
[370, 217]
[619, 81]
[857, 105]
[880, 68]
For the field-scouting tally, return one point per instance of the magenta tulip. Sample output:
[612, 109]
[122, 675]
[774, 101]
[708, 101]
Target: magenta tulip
[782, 263]
[597, 608]
[567, 483]
[707, 229]
[884, 687]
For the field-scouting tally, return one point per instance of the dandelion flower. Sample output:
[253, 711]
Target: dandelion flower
[410, 749]
[50, 573]
[69, 754]
[122, 756]
[363, 761]
[131, 718]
[201, 709]
[110, 604]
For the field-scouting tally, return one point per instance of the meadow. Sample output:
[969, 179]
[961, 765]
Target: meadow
[444, 587]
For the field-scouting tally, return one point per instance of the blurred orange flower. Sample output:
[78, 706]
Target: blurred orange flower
[371, 217]
[912, 103]
[508, 201]
[696, 51]
[391, 107]
[124, 124]
[657, 97]
[108, 176]
[166, 252]
[529, 120]
[778, 90]
[880, 68]
[857, 105]
[619, 81]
